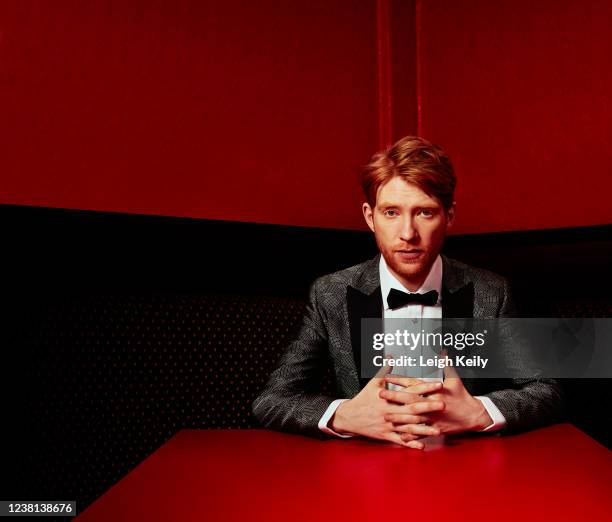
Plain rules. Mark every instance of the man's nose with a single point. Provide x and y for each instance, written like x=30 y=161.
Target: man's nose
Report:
x=408 y=232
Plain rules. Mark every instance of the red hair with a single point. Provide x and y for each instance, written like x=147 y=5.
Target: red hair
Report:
x=417 y=161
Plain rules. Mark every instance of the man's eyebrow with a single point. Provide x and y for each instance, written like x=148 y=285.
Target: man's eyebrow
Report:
x=427 y=206
x=387 y=205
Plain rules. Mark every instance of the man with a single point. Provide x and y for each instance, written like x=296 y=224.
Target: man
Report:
x=409 y=206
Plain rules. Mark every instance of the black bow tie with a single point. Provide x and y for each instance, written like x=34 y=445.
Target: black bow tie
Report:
x=397 y=298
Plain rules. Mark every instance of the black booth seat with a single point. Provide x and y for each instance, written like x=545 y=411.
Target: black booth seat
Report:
x=116 y=376
x=122 y=330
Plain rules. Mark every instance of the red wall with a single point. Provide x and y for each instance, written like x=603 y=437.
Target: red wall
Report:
x=263 y=111
x=520 y=93
x=254 y=111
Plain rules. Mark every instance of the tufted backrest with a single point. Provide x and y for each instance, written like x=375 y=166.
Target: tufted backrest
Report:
x=120 y=374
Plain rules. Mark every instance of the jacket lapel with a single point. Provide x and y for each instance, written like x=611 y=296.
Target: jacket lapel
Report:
x=457 y=300
x=457 y=291
x=363 y=300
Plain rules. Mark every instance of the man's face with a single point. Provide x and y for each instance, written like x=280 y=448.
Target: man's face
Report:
x=409 y=227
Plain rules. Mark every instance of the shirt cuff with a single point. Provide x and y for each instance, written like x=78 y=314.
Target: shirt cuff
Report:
x=499 y=421
x=329 y=412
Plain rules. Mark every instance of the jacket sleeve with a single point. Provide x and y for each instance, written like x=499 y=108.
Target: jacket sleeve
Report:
x=530 y=402
x=290 y=400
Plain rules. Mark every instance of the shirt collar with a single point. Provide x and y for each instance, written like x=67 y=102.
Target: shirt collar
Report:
x=433 y=281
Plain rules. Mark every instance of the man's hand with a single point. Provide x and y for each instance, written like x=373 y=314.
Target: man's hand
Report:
x=462 y=411
x=369 y=413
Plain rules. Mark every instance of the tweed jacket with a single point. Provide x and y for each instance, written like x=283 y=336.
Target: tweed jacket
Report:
x=330 y=335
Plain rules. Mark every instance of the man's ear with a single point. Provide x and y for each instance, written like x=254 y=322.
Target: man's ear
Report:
x=368 y=215
x=450 y=215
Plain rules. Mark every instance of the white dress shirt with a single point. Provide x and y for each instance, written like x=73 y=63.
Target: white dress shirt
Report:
x=433 y=281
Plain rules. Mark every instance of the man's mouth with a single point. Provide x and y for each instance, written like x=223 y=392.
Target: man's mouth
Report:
x=408 y=254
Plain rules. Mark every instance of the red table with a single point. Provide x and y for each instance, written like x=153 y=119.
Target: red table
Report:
x=556 y=473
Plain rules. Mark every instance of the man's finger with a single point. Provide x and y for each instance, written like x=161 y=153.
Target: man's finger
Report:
x=403 y=381
x=397 y=439
x=420 y=388
x=451 y=373
x=417 y=429
x=414 y=444
x=379 y=379
x=412 y=394
x=426 y=406
x=408 y=436
x=405 y=418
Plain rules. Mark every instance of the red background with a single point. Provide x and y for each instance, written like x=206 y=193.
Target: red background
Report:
x=519 y=94
x=264 y=111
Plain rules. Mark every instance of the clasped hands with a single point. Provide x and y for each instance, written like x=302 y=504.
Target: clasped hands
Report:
x=421 y=409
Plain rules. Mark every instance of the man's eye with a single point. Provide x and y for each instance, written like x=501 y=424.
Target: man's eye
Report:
x=427 y=213
x=390 y=213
